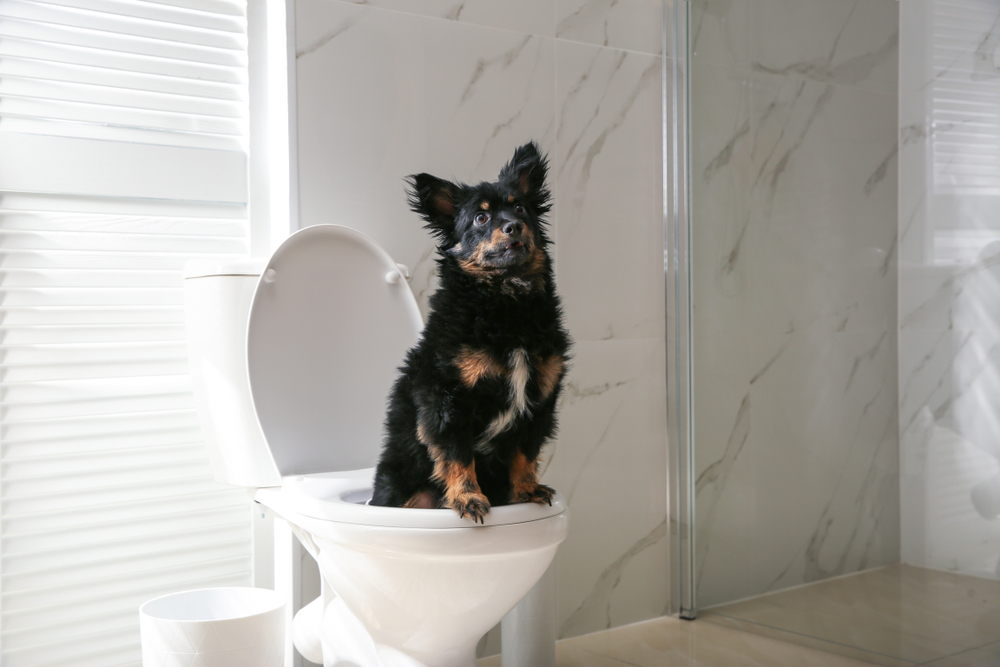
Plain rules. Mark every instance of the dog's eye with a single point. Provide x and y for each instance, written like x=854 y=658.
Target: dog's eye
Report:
x=519 y=209
x=481 y=218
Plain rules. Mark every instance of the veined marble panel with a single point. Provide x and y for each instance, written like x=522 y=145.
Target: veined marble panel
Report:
x=721 y=32
x=385 y=94
x=794 y=204
x=633 y=25
x=609 y=461
x=805 y=484
x=607 y=164
x=823 y=163
x=846 y=43
x=535 y=17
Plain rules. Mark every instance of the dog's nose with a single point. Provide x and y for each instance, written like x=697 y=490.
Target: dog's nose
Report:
x=512 y=228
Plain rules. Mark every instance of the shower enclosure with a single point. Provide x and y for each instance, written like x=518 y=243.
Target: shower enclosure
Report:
x=834 y=285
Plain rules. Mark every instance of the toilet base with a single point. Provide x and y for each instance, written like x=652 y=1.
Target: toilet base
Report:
x=346 y=642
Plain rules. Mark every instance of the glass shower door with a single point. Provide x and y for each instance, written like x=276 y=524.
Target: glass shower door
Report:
x=835 y=298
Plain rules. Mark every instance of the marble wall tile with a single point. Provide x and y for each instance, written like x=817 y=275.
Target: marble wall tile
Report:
x=721 y=32
x=534 y=17
x=384 y=94
x=805 y=485
x=609 y=460
x=824 y=184
x=633 y=25
x=847 y=43
x=722 y=180
x=607 y=167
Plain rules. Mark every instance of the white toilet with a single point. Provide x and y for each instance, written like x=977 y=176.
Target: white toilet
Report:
x=292 y=362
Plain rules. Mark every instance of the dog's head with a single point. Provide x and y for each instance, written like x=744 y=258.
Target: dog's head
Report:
x=492 y=230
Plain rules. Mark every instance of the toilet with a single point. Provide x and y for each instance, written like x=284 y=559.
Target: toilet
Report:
x=292 y=360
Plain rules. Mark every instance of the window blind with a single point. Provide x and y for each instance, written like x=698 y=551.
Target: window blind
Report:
x=966 y=98
x=122 y=156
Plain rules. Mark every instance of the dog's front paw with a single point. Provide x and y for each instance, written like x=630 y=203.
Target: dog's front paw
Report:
x=473 y=505
x=539 y=493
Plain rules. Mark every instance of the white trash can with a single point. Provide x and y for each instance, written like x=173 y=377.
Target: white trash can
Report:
x=214 y=627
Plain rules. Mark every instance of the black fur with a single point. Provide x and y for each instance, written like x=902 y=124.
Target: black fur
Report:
x=495 y=325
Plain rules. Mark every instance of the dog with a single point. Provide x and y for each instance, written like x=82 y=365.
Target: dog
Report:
x=475 y=400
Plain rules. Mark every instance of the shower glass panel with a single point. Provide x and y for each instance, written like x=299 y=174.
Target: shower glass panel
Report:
x=843 y=185
x=793 y=200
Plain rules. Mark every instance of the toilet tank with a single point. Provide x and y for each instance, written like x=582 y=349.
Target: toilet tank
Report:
x=217 y=298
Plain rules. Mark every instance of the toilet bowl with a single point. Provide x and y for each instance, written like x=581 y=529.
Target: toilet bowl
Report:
x=292 y=360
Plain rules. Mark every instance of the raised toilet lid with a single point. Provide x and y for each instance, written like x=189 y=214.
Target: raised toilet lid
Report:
x=326 y=334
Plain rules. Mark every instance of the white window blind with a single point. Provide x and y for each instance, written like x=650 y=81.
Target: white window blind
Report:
x=966 y=98
x=122 y=156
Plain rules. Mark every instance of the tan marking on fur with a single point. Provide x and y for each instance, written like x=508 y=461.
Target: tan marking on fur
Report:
x=523 y=477
x=534 y=266
x=523 y=184
x=470 y=267
x=530 y=274
x=460 y=482
x=473 y=265
x=485 y=205
x=474 y=365
x=536 y=262
x=422 y=435
x=549 y=372
x=443 y=203
x=421 y=500
x=510 y=198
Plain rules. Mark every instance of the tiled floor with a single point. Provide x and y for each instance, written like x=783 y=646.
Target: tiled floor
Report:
x=895 y=616
x=669 y=642
x=899 y=616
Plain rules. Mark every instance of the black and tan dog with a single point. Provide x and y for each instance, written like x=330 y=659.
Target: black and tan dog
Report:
x=475 y=400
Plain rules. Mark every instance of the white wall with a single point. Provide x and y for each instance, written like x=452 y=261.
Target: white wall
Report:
x=388 y=88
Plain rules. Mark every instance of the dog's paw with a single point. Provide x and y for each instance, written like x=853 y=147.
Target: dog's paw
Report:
x=539 y=493
x=473 y=505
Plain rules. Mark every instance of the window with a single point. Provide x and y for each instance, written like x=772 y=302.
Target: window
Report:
x=123 y=154
x=965 y=106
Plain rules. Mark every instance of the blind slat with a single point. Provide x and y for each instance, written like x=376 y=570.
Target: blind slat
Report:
x=105 y=168
x=136 y=65
x=204 y=17
x=51 y=521
x=117 y=42
x=57 y=500
x=94 y=18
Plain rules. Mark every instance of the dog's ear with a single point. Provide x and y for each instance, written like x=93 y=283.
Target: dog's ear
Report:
x=435 y=201
x=526 y=173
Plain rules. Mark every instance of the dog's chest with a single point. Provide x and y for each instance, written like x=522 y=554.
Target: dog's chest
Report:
x=519 y=379
x=517 y=374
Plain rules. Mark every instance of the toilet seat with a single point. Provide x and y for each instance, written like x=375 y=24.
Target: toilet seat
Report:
x=330 y=322
x=341 y=497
